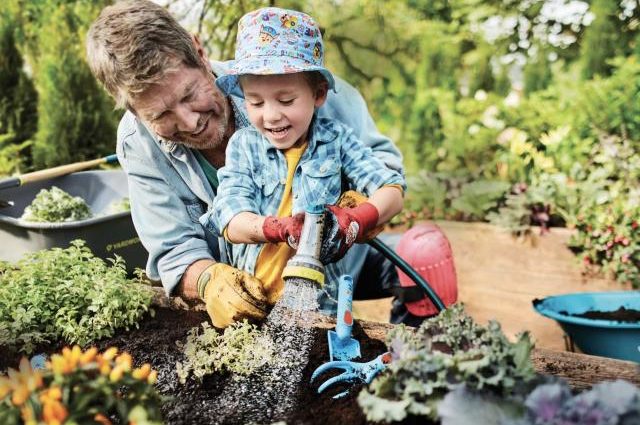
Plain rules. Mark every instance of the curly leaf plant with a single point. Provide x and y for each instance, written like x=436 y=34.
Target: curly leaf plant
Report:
x=79 y=387
x=444 y=353
x=241 y=349
x=67 y=294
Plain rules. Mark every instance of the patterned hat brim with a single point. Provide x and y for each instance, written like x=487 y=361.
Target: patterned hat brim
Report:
x=229 y=84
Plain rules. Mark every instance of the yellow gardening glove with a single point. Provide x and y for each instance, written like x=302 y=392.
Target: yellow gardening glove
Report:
x=351 y=199
x=231 y=295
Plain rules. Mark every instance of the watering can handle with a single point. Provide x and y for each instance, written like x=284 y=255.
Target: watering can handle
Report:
x=61 y=170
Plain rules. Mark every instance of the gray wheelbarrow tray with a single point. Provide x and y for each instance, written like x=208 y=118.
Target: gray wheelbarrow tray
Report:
x=106 y=233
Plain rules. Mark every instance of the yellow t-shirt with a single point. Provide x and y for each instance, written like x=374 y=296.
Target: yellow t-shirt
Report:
x=273 y=257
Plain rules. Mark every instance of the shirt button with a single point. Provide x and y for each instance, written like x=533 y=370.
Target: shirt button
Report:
x=283 y=181
x=323 y=169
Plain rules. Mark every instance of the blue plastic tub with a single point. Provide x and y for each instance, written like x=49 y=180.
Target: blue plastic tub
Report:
x=608 y=338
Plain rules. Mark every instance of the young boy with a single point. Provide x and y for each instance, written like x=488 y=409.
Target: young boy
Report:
x=290 y=159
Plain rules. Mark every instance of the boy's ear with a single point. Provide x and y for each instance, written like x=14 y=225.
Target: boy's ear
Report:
x=321 y=94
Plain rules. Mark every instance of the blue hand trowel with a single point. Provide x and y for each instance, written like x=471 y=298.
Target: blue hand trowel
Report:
x=341 y=345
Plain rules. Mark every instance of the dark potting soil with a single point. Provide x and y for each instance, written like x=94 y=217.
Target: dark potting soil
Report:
x=620 y=315
x=197 y=403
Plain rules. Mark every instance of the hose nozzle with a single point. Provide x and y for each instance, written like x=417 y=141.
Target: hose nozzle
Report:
x=306 y=263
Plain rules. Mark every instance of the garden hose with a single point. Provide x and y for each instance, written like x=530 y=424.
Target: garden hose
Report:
x=409 y=271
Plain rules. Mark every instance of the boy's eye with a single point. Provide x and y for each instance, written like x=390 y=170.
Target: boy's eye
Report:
x=255 y=103
x=287 y=101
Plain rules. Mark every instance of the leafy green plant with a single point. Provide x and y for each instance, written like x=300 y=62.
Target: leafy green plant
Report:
x=79 y=387
x=55 y=205
x=67 y=294
x=241 y=348
x=441 y=355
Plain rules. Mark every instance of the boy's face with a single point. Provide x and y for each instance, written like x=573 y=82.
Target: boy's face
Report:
x=281 y=106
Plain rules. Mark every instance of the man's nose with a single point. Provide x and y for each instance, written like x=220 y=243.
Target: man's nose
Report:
x=186 y=119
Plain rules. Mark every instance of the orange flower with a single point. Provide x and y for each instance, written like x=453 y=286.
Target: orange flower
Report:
x=142 y=373
x=102 y=419
x=54 y=413
x=116 y=373
x=110 y=353
x=88 y=356
x=153 y=377
x=125 y=361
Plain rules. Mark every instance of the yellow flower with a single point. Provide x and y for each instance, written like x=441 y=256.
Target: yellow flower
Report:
x=88 y=356
x=153 y=377
x=20 y=395
x=28 y=416
x=116 y=373
x=5 y=387
x=125 y=361
x=110 y=353
x=142 y=373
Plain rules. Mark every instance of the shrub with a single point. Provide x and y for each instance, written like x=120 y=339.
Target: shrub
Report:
x=67 y=294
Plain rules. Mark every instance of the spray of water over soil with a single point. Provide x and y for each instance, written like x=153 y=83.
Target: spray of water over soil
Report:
x=270 y=394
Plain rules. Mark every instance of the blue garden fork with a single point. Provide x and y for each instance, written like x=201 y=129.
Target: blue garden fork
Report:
x=343 y=348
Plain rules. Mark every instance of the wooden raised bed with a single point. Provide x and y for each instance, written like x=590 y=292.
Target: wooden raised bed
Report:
x=155 y=342
x=499 y=275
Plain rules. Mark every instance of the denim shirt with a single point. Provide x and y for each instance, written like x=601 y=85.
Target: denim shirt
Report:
x=169 y=191
x=254 y=176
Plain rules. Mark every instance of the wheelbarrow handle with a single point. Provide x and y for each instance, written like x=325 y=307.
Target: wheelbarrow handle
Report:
x=409 y=271
x=49 y=173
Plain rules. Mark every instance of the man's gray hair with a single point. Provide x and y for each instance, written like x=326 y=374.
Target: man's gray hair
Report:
x=134 y=44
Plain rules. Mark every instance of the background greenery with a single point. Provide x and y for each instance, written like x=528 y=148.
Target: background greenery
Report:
x=517 y=112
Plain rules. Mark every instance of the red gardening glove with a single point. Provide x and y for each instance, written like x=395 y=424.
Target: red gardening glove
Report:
x=352 y=225
x=283 y=229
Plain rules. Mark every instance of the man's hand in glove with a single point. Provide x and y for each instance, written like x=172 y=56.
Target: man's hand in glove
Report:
x=231 y=295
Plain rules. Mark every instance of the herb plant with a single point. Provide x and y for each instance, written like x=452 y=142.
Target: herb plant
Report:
x=55 y=205
x=79 y=387
x=444 y=353
x=242 y=348
x=67 y=294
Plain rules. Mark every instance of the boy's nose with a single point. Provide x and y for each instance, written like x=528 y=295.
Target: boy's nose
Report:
x=272 y=113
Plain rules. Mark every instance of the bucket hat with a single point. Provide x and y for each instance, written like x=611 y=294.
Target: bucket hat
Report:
x=275 y=41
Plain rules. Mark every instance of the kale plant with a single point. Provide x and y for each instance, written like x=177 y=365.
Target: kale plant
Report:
x=242 y=348
x=55 y=205
x=67 y=294
x=445 y=353
x=607 y=403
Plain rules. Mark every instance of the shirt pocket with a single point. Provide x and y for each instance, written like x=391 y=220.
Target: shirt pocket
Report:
x=321 y=182
x=266 y=179
x=195 y=209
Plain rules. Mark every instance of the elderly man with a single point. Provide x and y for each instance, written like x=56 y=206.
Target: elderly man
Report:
x=171 y=142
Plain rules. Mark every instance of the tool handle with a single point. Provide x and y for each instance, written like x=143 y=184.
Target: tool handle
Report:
x=61 y=170
x=409 y=271
x=345 y=307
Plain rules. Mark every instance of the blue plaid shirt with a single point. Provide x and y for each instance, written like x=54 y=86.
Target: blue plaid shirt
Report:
x=254 y=176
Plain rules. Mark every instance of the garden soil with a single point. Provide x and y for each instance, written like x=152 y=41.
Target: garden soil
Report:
x=194 y=403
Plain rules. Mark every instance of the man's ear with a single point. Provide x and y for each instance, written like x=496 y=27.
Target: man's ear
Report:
x=202 y=54
x=321 y=94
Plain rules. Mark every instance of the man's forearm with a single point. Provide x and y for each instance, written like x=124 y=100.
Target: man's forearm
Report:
x=188 y=286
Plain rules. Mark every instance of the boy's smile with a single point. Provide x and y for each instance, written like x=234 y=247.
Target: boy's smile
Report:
x=281 y=106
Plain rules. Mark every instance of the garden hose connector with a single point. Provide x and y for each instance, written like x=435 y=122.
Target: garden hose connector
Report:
x=306 y=263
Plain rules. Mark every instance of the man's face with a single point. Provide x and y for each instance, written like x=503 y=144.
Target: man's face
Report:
x=187 y=107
